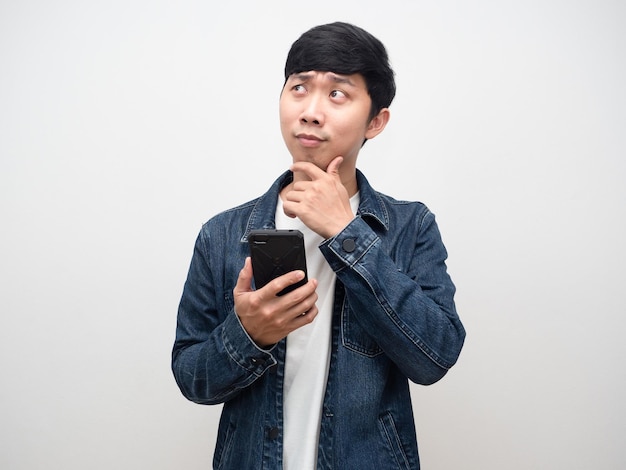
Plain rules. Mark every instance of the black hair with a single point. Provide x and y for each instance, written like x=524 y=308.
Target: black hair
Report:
x=345 y=49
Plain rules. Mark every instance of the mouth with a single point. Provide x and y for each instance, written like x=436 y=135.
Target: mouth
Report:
x=309 y=140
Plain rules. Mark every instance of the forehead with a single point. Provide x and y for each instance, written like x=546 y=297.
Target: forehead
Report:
x=355 y=80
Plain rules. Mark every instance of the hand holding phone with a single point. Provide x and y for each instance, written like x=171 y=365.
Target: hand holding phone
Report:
x=265 y=314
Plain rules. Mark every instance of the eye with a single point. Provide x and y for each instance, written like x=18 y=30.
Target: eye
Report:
x=299 y=89
x=337 y=95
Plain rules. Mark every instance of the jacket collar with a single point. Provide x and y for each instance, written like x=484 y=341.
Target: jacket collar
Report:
x=371 y=207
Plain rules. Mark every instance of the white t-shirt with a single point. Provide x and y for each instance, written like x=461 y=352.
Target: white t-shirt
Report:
x=308 y=355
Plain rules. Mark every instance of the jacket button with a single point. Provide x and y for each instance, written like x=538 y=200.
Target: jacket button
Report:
x=273 y=433
x=348 y=245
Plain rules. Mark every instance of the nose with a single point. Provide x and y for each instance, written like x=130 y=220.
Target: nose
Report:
x=313 y=112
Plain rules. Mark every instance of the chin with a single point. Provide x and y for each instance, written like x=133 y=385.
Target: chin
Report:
x=309 y=157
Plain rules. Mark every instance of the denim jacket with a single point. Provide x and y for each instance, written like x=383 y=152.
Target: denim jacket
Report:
x=394 y=320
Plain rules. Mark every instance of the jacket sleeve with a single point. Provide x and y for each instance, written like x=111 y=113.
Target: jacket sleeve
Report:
x=213 y=357
x=408 y=311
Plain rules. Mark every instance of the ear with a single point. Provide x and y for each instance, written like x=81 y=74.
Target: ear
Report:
x=377 y=124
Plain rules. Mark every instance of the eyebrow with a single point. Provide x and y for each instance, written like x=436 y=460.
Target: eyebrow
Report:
x=333 y=77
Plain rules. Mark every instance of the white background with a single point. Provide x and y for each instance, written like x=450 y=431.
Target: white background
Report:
x=126 y=124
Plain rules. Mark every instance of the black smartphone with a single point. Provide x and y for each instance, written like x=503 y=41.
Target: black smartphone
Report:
x=277 y=252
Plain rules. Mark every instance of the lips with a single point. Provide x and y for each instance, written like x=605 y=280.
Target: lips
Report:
x=309 y=140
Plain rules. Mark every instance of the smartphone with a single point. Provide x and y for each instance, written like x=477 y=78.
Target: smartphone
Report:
x=274 y=253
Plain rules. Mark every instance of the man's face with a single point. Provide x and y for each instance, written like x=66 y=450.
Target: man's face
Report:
x=324 y=115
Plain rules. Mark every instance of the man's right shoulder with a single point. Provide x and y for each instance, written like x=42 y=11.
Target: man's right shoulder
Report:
x=234 y=214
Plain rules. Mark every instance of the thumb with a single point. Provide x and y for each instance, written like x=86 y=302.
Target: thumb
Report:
x=333 y=166
x=244 y=281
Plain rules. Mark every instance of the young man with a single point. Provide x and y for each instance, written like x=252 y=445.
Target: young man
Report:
x=318 y=378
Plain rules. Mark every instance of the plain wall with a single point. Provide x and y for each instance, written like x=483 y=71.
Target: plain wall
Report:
x=124 y=125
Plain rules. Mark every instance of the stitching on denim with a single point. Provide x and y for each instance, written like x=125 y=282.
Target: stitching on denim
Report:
x=345 y=336
x=416 y=340
x=394 y=437
x=228 y=443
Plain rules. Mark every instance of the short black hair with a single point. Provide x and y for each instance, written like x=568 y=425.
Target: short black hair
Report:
x=345 y=49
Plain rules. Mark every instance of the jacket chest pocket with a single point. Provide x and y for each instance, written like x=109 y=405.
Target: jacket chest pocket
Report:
x=353 y=336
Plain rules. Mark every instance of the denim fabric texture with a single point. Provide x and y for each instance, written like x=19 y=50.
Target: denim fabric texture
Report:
x=394 y=320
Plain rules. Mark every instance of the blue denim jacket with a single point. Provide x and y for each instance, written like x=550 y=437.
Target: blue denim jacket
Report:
x=394 y=319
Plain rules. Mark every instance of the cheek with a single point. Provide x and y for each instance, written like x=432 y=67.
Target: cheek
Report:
x=352 y=131
x=283 y=120
x=287 y=118
x=286 y=108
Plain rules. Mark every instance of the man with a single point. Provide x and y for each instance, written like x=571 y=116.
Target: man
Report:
x=318 y=378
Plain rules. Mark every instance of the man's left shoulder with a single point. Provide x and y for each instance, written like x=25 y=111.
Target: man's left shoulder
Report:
x=403 y=206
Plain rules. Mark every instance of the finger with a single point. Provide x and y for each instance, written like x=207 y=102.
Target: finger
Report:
x=302 y=300
x=305 y=318
x=333 y=166
x=308 y=169
x=278 y=284
x=244 y=281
